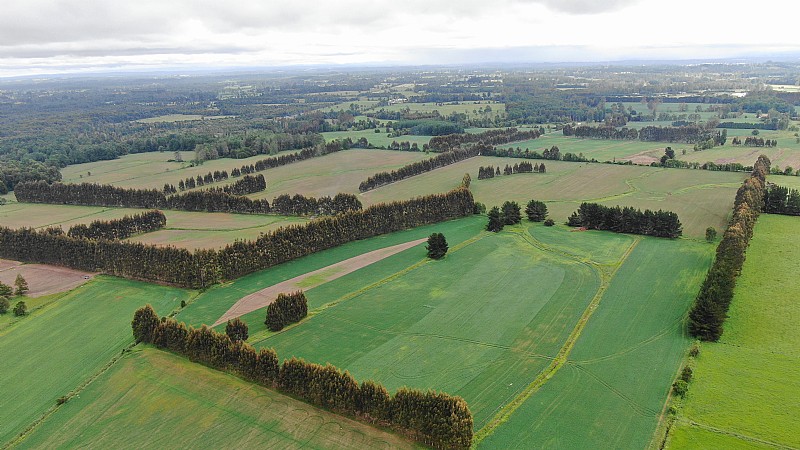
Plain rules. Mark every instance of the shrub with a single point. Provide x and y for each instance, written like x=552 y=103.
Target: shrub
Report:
x=20 y=309
x=437 y=246
x=549 y=223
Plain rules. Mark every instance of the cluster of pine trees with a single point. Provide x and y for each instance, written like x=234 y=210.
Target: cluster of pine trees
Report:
x=710 y=308
x=191 y=183
x=523 y=167
x=752 y=141
x=249 y=184
x=299 y=205
x=490 y=137
x=509 y=214
x=690 y=134
x=286 y=309
x=781 y=200
x=443 y=159
x=626 y=220
x=203 y=268
x=121 y=228
x=432 y=418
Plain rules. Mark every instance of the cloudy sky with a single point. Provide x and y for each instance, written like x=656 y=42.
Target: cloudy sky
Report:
x=51 y=36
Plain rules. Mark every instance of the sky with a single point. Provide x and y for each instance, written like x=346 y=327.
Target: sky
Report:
x=68 y=36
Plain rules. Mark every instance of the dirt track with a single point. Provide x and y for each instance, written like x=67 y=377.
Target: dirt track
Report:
x=42 y=279
x=264 y=297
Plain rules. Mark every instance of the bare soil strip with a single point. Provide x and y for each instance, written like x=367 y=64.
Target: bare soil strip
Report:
x=42 y=279
x=264 y=297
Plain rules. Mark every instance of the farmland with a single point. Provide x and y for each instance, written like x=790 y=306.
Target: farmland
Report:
x=63 y=344
x=760 y=333
x=186 y=405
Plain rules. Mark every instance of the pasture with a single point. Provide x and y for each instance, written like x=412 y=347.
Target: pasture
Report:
x=152 y=398
x=757 y=356
x=62 y=345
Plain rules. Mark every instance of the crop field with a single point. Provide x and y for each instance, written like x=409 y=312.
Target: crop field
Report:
x=700 y=198
x=42 y=279
x=153 y=399
x=60 y=346
x=756 y=358
x=612 y=389
x=184 y=229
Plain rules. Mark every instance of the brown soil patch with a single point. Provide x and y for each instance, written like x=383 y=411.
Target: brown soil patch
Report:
x=43 y=279
x=264 y=297
x=644 y=158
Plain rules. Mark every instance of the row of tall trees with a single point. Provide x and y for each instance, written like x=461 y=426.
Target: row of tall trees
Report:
x=286 y=309
x=432 y=418
x=752 y=141
x=191 y=182
x=553 y=153
x=307 y=153
x=443 y=159
x=602 y=132
x=523 y=167
x=249 y=184
x=781 y=200
x=626 y=220
x=710 y=308
x=203 y=268
x=299 y=205
x=120 y=228
x=490 y=137
x=689 y=134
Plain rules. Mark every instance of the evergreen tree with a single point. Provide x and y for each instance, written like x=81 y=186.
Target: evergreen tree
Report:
x=4 y=305
x=511 y=213
x=21 y=285
x=711 y=234
x=144 y=324
x=236 y=330
x=437 y=246
x=20 y=309
x=536 y=211
x=495 y=222
x=5 y=290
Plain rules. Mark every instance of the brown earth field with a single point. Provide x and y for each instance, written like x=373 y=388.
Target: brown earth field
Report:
x=42 y=279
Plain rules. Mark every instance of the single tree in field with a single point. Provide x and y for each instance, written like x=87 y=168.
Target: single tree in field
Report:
x=466 y=180
x=536 y=211
x=437 y=246
x=21 y=285
x=549 y=223
x=236 y=330
x=20 y=309
x=511 y=213
x=5 y=291
x=4 y=305
x=711 y=234
x=495 y=223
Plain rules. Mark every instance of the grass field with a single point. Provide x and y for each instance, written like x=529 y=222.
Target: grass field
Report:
x=153 y=399
x=700 y=198
x=53 y=351
x=611 y=391
x=747 y=385
x=377 y=139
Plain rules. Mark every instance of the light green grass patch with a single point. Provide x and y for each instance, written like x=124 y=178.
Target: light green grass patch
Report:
x=154 y=399
x=56 y=349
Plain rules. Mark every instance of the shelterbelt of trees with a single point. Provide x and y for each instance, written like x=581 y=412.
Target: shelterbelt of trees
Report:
x=690 y=134
x=203 y=268
x=710 y=308
x=432 y=418
x=490 y=137
x=781 y=200
x=209 y=200
x=121 y=228
x=443 y=159
x=626 y=220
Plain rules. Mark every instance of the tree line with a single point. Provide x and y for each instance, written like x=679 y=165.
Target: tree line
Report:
x=710 y=308
x=553 y=153
x=490 y=137
x=443 y=159
x=299 y=205
x=690 y=134
x=432 y=418
x=626 y=220
x=523 y=167
x=781 y=200
x=752 y=141
x=203 y=268
x=120 y=228
x=192 y=182
x=286 y=309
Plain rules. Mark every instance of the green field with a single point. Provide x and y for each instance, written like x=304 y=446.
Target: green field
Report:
x=700 y=198
x=377 y=139
x=153 y=399
x=747 y=385
x=612 y=389
x=56 y=349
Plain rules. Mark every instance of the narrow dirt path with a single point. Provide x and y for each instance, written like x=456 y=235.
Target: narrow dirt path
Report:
x=264 y=297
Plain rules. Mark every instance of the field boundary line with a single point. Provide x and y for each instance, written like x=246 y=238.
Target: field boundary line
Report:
x=266 y=334
x=561 y=357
